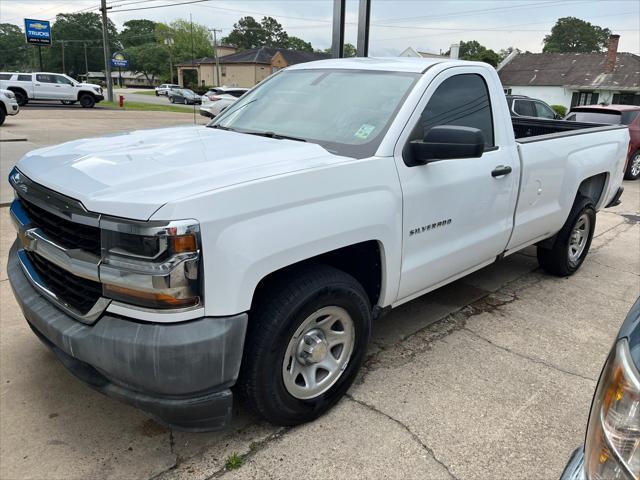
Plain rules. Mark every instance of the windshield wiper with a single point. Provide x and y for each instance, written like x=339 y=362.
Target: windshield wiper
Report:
x=220 y=127
x=277 y=136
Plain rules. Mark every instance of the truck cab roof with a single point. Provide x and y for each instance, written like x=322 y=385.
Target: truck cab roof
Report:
x=390 y=64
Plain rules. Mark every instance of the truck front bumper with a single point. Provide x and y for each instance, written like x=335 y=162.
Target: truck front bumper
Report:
x=179 y=372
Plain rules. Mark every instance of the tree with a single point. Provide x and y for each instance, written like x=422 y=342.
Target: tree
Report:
x=571 y=34
x=248 y=33
x=273 y=33
x=138 y=32
x=78 y=29
x=181 y=33
x=349 y=50
x=295 y=43
x=14 y=52
x=150 y=59
x=473 y=50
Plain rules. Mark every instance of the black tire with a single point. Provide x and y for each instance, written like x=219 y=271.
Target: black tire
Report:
x=185 y=101
x=157 y=94
x=171 y=100
x=2 y=116
x=557 y=260
x=87 y=100
x=21 y=98
x=634 y=164
x=274 y=319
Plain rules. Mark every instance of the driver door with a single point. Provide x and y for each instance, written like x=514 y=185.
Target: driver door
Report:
x=457 y=213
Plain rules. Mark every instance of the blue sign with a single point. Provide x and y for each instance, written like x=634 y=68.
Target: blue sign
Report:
x=37 y=32
x=119 y=60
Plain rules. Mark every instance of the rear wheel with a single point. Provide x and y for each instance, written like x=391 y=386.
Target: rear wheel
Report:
x=307 y=337
x=572 y=243
x=184 y=100
x=21 y=98
x=633 y=168
x=87 y=100
x=171 y=99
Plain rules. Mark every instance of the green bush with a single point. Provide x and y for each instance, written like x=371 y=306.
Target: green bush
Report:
x=560 y=110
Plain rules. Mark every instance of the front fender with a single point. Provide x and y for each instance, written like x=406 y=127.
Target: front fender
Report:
x=255 y=229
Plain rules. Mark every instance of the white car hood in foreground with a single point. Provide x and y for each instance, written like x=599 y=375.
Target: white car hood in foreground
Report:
x=131 y=175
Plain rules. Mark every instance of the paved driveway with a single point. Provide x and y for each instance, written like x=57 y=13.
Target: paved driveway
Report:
x=488 y=378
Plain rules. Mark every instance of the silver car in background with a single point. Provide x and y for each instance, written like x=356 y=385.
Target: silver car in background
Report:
x=219 y=98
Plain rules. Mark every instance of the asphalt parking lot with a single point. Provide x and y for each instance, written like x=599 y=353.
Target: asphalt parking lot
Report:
x=490 y=377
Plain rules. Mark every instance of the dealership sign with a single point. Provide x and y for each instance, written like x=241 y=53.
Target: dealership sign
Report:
x=119 y=60
x=37 y=32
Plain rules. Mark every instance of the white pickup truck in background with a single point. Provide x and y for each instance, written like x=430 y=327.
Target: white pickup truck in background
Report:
x=50 y=86
x=166 y=267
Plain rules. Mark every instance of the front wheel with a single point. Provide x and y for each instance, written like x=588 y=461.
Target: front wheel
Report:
x=572 y=243
x=2 y=116
x=307 y=337
x=633 y=168
x=87 y=101
x=21 y=98
x=185 y=101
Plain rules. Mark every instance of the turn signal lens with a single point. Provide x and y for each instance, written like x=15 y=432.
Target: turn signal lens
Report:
x=148 y=299
x=183 y=243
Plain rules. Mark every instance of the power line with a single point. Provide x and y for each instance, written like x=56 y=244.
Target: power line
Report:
x=160 y=6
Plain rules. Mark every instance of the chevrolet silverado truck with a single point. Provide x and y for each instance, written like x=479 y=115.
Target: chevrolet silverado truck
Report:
x=50 y=86
x=174 y=268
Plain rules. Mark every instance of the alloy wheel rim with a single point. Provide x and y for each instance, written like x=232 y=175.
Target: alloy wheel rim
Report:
x=578 y=238
x=318 y=352
x=635 y=165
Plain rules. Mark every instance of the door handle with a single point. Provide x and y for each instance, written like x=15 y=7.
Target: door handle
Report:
x=501 y=170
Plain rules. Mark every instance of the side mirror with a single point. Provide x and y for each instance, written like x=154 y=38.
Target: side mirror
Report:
x=447 y=142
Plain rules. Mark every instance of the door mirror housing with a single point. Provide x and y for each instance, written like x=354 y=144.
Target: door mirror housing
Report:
x=447 y=142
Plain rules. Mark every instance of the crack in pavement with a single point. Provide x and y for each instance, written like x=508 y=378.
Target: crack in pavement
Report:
x=527 y=357
x=618 y=233
x=414 y=435
x=614 y=268
x=254 y=448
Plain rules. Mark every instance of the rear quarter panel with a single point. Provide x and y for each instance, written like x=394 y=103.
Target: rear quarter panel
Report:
x=553 y=167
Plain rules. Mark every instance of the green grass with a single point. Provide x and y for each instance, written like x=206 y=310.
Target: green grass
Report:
x=233 y=462
x=149 y=107
x=145 y=92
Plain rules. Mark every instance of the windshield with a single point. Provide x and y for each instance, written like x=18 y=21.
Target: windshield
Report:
x=345 y=111
x=595 y=117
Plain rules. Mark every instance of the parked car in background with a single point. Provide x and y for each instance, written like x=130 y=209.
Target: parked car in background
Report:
x=523 y=106
x=50 y=86
x=616 y=115
x=165 y=88
x=611 y=449
x=217 y=99
x=8 y=104
x=184 y=95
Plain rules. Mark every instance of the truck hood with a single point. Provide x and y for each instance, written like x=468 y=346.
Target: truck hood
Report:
x=133 y=174
x=89 y=85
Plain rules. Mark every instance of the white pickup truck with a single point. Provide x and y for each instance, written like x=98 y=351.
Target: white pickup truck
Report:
x=50 y=86
x=169 y=268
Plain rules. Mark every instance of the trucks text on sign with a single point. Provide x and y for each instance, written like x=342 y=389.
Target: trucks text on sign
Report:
x=37 y=32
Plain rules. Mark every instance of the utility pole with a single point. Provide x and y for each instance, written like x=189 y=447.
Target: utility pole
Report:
x=86 y=61
x=64 y=70
x=364 y=21
x=107 y=54
x=168 y=41
x=337 y=35
x=215 y=55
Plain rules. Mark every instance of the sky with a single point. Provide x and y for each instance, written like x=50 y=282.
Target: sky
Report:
x=426 y=25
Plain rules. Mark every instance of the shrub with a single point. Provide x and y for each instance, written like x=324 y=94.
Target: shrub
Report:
x=560 y=109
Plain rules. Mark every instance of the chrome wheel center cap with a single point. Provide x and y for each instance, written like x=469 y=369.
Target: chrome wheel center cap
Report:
x=313 y=348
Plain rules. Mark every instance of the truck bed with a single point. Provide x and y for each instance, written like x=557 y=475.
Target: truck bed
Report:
x=524 y=127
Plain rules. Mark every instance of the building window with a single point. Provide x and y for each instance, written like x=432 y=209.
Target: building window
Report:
x=507 y=91
x=584 y=98
x=626 y=99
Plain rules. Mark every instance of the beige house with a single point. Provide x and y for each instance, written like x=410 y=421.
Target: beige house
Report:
x=246 y=68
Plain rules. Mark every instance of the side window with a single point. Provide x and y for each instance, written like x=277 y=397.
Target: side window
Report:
x=524 y=108
x=5 y=76
x=44 y=78
x=461 y=100
x=543 y=111
x=24 y=78
x=62 y=80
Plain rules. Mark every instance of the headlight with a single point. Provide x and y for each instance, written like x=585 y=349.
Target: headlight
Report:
x=151 y=265
x=10 y=94
x=612 y=447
